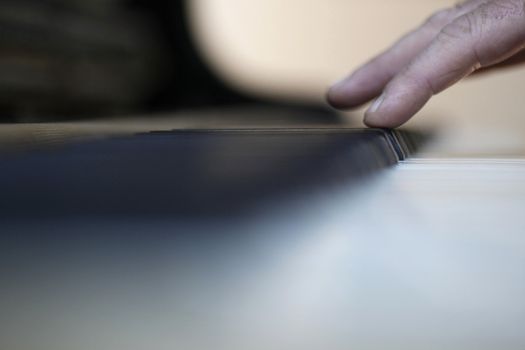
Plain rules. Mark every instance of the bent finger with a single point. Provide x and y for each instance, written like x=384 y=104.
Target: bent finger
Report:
x=490 y=34
x=369 y=80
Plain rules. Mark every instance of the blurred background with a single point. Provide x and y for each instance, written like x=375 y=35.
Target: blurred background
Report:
x=64 y=59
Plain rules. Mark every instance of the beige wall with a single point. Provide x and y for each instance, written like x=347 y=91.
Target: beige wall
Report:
x=296 y=48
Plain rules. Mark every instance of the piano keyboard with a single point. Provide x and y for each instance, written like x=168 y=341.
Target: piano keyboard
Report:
x=114 y=232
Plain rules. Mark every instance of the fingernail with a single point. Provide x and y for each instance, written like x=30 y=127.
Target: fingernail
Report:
x=377 y=104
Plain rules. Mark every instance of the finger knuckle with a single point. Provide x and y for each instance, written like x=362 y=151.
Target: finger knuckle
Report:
x=461 y=4
x=440 y=18
x=466 y=26
x=420 y=82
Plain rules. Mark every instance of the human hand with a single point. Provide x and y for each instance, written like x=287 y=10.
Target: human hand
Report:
x=452 y=44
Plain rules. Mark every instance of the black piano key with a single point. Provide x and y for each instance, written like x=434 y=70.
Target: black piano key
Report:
x=190 y=172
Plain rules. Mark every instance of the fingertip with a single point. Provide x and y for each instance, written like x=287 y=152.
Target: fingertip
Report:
x=338 y=94
x=333 y=99
x=378 y=121
x=381 y=114
x=349 y=93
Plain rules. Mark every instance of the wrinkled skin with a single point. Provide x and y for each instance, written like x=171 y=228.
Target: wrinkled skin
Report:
x=453 y=43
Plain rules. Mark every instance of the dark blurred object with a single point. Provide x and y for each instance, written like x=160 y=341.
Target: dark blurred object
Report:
x=82 y=58
x=191 y=173
x=188 y=82
x=77 y=57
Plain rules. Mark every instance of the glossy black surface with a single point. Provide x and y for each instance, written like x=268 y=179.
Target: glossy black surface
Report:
x=188 y=173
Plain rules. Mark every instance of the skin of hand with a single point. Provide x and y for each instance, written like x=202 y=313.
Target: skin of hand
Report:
x=452 y=44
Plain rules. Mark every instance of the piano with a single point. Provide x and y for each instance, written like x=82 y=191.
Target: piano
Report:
x=261 y=220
